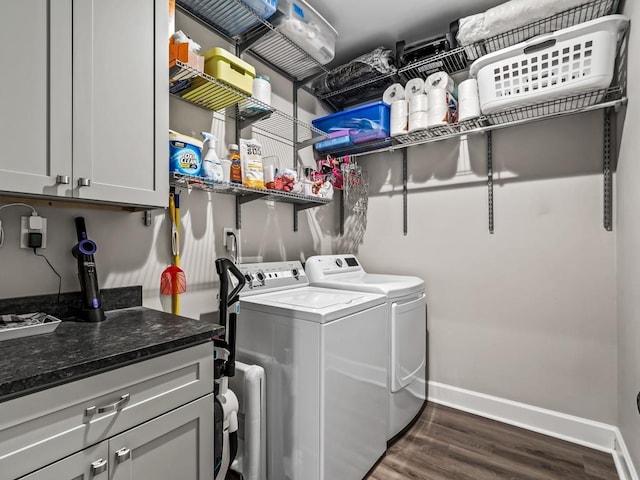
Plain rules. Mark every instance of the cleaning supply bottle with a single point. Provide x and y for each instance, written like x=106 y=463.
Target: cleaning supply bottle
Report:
x=211 y=165
x=236 y=165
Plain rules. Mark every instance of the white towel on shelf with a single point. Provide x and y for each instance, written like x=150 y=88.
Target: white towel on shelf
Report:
x=510 y=15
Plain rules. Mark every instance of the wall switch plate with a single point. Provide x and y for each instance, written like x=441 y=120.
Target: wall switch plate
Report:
x=24 y=232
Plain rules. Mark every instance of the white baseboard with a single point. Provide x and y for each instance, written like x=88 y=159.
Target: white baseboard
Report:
x=597 y=435
x=624 y=464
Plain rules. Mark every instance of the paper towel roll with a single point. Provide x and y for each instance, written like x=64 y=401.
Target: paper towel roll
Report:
x=393 y=93
x=419 y=103
x=414 y=87
x=418 y=121
x=442 y=108
x=468 y=88
x=468 y=100
x=399 y=108
x=439 y=80
x=399 y=117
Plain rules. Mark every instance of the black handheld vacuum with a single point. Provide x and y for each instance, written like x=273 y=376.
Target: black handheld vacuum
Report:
x=91 y=308
x=226 y=403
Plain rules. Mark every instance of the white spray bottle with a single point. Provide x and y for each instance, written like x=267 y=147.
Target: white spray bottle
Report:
x=211 y=165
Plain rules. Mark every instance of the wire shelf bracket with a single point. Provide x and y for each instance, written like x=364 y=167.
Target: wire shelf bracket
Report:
x=490 y=181
x=607 y=169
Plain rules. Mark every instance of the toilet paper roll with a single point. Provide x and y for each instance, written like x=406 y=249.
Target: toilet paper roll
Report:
x=418 y=121
x=468 y=100
x=393 y=93
x=414 y=87
x=439 y=80
x=442 y=109
x=399 y=108
x=419 y=103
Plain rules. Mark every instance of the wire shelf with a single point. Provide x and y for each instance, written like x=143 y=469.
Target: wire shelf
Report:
x=233 y=17
x=440 y=132
x=609 y=97
x=248 y=110
x=201 y=183
x=560 y=106
x=458 y=59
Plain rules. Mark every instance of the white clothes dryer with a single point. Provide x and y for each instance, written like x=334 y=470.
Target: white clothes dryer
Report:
x=324 y=355
x=406 y=323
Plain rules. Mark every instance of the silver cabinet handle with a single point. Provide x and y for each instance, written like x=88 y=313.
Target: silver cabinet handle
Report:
x=98 y=467
x=108 y=408
x=84 y=182
x=123 y=455
x=63 y=179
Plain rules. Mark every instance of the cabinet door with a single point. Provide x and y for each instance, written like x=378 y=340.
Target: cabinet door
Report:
x=121 y=101
x=177 y=445
x=35 y=96
x=89 y=464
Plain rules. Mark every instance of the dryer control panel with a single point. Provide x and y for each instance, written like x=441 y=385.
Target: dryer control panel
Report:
x=323 y=266
x=272 y=276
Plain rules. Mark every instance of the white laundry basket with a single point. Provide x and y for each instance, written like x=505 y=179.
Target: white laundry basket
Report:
x=576 y=60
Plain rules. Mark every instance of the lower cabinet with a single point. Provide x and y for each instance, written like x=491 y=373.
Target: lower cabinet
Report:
x=176 y=445
x=151 y=420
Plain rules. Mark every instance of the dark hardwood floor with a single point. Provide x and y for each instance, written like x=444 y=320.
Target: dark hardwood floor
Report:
x=447 y=444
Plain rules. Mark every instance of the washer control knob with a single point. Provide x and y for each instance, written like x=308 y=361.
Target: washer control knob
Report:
x=247 y=277
x=339 y=262
x=260 y=277
x=295 y=273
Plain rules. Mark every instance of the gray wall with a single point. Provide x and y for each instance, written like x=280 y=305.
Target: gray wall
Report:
x=527 y=314
x=628 y=198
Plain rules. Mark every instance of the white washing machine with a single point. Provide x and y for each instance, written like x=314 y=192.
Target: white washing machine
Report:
x=407 y=328
x=324 y=355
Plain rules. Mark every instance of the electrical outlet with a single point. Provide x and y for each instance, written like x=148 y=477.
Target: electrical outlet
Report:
x=225 y=237
x=24 y=232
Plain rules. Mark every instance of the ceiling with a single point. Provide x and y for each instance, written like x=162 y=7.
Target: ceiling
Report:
x=363 y=26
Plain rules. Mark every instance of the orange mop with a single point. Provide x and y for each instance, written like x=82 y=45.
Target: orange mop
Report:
x=173 y=280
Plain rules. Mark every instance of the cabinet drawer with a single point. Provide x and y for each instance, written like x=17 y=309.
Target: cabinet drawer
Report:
x=37 y=429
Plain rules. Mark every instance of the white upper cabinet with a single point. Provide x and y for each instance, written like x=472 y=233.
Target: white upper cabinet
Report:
x=85 y=114
x=120 y=101
x=35 y=97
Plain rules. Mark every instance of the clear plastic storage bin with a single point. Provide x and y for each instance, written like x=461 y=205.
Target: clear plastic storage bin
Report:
x=308 y=29
x=233 y=19
x=576 y=60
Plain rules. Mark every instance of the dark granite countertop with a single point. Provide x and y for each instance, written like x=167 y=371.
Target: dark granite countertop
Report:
x=76 y=349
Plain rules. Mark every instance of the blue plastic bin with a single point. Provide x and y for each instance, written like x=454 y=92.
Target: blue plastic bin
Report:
x=365 y=123
x=338 y=139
